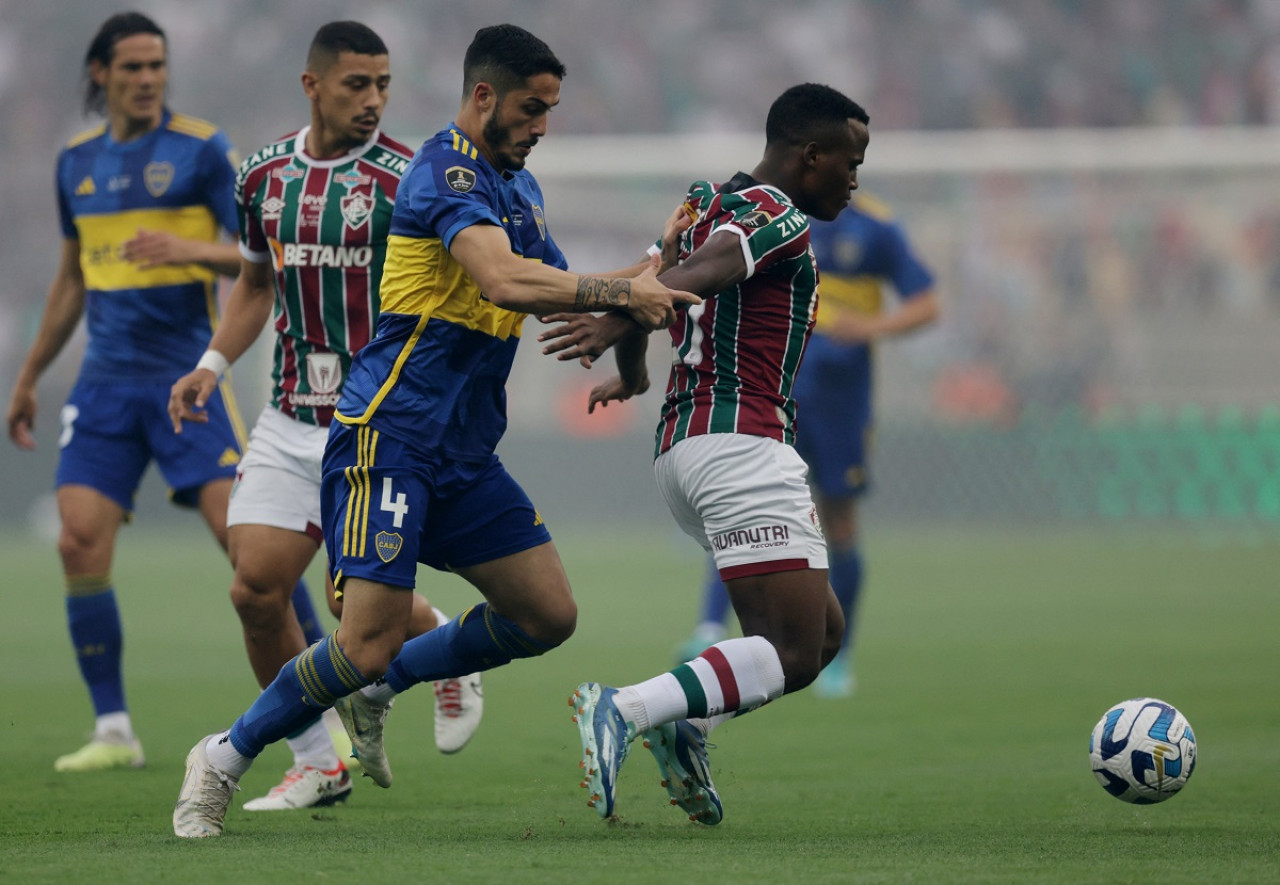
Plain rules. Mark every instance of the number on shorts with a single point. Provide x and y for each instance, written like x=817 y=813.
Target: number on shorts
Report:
x=398 y=505
x=68 y=418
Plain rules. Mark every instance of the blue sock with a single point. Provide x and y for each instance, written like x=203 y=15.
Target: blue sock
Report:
x=478 y=639
x=715 y=599
x=305 y=687
x=846 y=580
x=306 y=613
x=94 y=623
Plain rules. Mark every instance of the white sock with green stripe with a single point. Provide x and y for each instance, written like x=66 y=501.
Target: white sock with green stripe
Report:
x=735 y=675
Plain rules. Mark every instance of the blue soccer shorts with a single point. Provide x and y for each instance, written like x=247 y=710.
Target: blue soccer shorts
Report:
x=835 y=446
x=386 y=507
x=111 y=431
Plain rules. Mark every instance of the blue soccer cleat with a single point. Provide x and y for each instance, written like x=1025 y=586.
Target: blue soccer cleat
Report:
x=681 y=753
x=606 y=741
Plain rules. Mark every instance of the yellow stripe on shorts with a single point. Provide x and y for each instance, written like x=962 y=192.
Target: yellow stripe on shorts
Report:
x=355 y=528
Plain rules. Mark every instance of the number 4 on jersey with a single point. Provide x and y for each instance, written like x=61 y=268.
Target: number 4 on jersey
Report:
x=399 y=505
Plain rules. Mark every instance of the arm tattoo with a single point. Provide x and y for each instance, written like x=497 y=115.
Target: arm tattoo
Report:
x=599 y=293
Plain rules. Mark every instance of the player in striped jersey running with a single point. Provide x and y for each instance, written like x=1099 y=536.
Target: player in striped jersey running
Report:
x=315 y=209
x=411 y=474
x=725 y=460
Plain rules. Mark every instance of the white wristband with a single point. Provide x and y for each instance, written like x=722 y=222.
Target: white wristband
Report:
x=214 y=362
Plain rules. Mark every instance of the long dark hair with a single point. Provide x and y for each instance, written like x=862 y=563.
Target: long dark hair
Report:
x=103 y=47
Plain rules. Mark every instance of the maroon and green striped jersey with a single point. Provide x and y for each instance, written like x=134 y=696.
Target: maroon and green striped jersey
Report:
x=736 y=354
x=323 y=226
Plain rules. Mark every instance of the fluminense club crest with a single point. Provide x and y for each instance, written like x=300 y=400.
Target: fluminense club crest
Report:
x=356 y=208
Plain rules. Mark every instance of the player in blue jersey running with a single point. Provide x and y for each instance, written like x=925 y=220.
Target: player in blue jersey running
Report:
x=143 y=201
x=860 y=254
x=410 y=474
x=329 y=186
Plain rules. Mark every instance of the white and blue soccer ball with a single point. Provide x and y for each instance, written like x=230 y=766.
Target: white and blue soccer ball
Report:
x=1142 y=751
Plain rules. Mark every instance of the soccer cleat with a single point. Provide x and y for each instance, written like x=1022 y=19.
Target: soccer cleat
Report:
x=606 y=740
x=104 y=751
x=836 y=680
x=681 y=753
x=703 y=636
x=305 y=786
x=341 y=742
x=363 y=719
x=206 y=792
x=459 y=706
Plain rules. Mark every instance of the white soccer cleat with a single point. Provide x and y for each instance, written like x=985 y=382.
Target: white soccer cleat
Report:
x=363 y=719
x=459 y=706
x=305 y=786
x=206 y=792
x=103 y=752
x=341 y=740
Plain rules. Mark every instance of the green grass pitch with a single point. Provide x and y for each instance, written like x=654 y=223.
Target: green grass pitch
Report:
x=986 y=658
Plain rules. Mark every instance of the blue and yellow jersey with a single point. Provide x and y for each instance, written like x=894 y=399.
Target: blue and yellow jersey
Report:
x=146 y=324
x=858 y=254
x=435 y=373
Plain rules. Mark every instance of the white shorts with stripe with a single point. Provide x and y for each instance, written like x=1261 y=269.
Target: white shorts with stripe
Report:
x=745 y=499
x=278 y=480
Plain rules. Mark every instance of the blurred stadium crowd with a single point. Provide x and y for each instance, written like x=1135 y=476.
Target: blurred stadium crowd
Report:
x=1059 y=289
x=660 y=66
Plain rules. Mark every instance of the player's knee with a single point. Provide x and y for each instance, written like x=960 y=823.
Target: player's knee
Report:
x=553 y=624
x=370 y=658
x=81 y=551
x=257 y=599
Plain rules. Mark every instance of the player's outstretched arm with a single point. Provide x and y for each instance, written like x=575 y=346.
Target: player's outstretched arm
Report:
x=852 y=327
x=248 y=310
x=156 y=248
x=515 y=283
x=633 y=374
x=584 y=336
x=63 y=308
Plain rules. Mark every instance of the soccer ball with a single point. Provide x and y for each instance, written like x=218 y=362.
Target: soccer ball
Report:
x=1142 y=751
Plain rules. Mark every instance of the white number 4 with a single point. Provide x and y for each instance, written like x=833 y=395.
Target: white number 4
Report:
x=398 y=505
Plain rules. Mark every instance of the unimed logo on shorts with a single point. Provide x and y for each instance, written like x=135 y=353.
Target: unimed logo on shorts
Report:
x=753 y=539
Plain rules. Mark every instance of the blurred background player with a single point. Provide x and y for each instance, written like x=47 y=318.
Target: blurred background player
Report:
x=860 y=254
x=142 y=201
x=318 y=204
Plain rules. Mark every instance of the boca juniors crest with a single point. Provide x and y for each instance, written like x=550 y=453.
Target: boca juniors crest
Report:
x=388 y=545
x=157 y=177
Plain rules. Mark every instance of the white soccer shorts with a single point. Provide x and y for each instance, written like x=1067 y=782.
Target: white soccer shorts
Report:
x=278 y=480
x=746 y=500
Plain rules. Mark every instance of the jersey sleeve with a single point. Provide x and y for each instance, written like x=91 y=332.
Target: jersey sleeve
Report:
x=219 y=162
x=440 y=197
x=66 y=220
x=253 y=240
x=770 y=234
x=909 y=275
